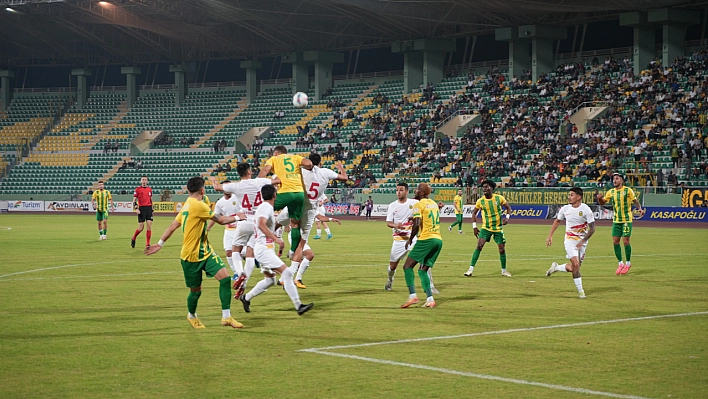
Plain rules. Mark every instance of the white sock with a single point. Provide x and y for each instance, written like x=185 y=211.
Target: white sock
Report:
x=327 y=230
x=628 y=263
x=260 y=288
x=293 y=267
x=430 y=299
x=578 y=283
x=192 y=315
x=471 y=269
x=391 y=273
x=561 y=268
x=303 y=267
x=411 y=296
x=290 y=288
x=319 y=231
x=225 y=313
x=430 y=276
x=250 y=265
x=231 y=264
x=237 y=262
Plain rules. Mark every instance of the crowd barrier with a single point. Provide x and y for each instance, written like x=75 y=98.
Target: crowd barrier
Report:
x=666 y=214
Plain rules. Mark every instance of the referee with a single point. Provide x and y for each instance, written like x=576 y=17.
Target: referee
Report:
x=142 y=204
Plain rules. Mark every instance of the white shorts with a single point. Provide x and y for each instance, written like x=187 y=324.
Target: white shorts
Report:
x=398 y=249
x=244 y=232
x=306 y=222
x=321 y=210
x=229 y=236
x=571 y=250
x=267 y=258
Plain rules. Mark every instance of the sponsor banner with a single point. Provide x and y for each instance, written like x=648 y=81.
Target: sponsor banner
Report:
x=547 y=196
x=68 y=206
x=343 y=209
x=694 y=197
x=599 y=212
x=448 y=211
x=668 y=214
x=164 y=207
x=445 y=194
x=25 y=206
x=122 y=207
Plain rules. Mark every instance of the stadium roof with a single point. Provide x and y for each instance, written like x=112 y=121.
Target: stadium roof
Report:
x=89 y=32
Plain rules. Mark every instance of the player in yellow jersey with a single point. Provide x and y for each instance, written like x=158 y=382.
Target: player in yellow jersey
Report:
x=101 y=199
x=457 y=203
x=426 y=221
x=622 y=199
x=490 y=205
x=197 y=255
x=291 y=193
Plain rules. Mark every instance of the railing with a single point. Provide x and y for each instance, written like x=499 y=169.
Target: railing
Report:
x=462 y=111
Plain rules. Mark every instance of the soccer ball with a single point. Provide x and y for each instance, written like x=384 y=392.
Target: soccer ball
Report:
x=300 y=100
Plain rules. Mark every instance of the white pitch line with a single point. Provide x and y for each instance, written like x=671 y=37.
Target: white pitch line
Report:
x=65 y=266
x=513 y=330
x=481 y=376
x=5 y=228
x=91 y=276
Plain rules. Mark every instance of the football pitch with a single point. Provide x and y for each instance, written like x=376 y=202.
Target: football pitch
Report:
x=84 y=318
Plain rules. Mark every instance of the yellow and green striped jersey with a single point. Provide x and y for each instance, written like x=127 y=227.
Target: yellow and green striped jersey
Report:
x=193 y=218
x=429 y=214
x=622 y=200
x=458 y=204
x=491 y=212
x=102 y=197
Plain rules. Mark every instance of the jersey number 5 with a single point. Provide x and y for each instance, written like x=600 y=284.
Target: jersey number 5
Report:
x=313 y=193
x=289 y=166
x=247 y=204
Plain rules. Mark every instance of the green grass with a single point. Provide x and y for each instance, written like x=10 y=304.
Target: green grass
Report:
x=104 y=321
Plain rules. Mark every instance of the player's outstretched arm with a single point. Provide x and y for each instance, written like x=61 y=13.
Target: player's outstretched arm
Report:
x=327 y=219
x=556 y=223
x=266 y=169
x=414 y=231
x=639 y=206
x=342 y=176
x=221 y=219
x=601 y=199
x=508 y=213
x=165 y=236
x=591 y=231
x=215 y=184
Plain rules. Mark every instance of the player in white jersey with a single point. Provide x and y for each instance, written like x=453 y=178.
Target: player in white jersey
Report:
x=579 y=227
x=399 y=218
x=264 y=250
x=228 y=206
x=307 y=253
x=248 y=195
x=321 y=211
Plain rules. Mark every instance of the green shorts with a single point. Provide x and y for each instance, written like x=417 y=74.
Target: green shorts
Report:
x=487 y=235
x=622 y=229
x=101 y=215
x=294 y=202
x=426 y=252
x=193 y=270
x=458 y=216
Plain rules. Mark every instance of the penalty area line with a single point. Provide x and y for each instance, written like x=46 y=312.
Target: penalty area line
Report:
x=481 y=376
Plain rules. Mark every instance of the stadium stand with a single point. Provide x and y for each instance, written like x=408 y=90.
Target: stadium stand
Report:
x=653 y=122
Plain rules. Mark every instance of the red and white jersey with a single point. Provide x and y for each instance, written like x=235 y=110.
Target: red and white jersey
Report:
x=401 y=213
x=248 y=194
x=577 y=221
x=316 y=181
x=227 y=207
x=264 y=211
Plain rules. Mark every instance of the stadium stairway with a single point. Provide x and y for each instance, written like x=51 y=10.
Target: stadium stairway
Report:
x=220 y=126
